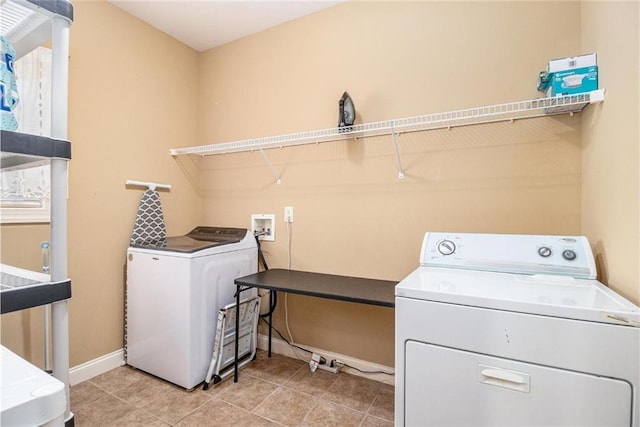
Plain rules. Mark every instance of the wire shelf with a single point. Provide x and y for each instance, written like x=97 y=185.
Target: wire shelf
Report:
x=472 y=116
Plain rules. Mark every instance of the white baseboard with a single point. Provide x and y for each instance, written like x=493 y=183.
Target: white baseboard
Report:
x=282 y=347
x=110 y=361
x=95 y=367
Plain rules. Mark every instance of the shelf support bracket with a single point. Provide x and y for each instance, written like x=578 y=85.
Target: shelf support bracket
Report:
x=273 y=170
x=394 y=135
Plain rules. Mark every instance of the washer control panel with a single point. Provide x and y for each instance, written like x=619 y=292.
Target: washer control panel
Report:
x=519 y=254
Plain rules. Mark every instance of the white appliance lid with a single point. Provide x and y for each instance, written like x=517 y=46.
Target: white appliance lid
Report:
x=29 y=396
x=557 y=296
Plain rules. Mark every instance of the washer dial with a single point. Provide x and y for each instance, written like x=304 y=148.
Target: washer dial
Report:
x=446 y=247
x=569 y=255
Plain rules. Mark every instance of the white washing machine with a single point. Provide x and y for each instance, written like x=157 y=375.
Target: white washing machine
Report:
x=512 y=330
x=174 y=292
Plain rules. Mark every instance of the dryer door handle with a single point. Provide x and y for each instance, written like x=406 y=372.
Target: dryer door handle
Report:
x=518 y=381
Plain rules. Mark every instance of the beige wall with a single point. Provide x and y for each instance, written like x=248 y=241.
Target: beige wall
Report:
x=353 y=215
x=22 y=331
x=611 y=137
x=132 y=97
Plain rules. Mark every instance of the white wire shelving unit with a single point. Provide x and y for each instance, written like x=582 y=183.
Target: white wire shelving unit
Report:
x=512 y=111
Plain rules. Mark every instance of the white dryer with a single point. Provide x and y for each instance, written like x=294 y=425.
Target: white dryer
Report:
x=513 y=330
x=174 y=292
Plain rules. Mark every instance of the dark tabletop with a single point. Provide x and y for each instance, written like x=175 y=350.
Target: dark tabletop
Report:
x=345 y=288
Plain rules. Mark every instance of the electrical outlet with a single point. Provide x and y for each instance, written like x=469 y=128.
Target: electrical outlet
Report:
x=288 y=214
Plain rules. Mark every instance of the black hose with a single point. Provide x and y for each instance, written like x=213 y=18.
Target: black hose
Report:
x=263 y=261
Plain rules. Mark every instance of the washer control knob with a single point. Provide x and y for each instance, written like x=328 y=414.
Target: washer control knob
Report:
x=446 y=247
x=544 y=251
x=569 y=255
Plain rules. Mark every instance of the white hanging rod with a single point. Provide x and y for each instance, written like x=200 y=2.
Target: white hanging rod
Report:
x=150 y=185
x=493 y=113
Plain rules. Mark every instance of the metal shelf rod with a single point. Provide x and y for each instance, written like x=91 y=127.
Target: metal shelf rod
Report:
x=273 y=169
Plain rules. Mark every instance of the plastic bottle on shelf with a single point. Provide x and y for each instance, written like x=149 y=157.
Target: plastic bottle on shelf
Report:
x=8 y=86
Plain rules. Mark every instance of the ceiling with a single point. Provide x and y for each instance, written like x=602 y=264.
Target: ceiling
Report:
x=204 y=24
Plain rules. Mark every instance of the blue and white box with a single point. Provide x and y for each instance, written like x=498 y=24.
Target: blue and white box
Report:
x=573 y=75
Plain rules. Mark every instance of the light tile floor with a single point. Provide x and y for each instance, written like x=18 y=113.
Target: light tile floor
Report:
x=270 y=392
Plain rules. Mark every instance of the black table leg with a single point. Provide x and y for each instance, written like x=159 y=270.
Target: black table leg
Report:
x=270 y=318
x=235 y=361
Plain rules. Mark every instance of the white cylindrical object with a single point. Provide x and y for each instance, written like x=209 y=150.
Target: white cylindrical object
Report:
x=58 y=241
x=59 y=77
x=59 y=184
x=60 y=347
x=47 y=338
x=59 y=178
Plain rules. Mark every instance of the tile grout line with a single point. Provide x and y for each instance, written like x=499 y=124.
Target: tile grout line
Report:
x=195 y=389
x=375 y=396
x=282 y=386
x=310 y=411
x=208 y=400
x=127 y=404
x=262 y=401
x=250 y=411
x=323 y=397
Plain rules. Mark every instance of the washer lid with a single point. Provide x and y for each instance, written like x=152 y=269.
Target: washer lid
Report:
x=557 y=296
x=198 y=239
